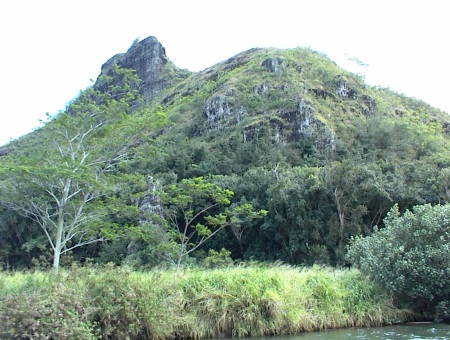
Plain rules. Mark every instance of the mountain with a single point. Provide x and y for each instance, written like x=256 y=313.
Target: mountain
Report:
x=287 y=130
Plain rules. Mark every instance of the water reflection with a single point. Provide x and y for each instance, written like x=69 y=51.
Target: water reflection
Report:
x=411 y=331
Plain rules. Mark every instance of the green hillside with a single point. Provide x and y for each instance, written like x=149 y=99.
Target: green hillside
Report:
x=287 y=131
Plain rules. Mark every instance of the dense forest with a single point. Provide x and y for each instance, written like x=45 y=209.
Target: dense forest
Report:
x=271 y=155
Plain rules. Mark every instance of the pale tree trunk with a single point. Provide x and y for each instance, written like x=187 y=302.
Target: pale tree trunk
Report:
x=341 y=215
x=60 y=225
x=180 y=259
x=58 y=243
x=56 y=257
x=178 y=268
x=239 y=233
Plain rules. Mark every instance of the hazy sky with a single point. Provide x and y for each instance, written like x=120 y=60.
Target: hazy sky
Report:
x=50 y=50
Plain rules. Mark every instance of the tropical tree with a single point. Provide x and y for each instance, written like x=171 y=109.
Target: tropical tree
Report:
x=67 y=182
x=196 y=210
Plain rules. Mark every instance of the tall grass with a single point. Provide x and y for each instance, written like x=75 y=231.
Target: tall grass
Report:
x=258 y=301
x=16 y=282
x=116 y=303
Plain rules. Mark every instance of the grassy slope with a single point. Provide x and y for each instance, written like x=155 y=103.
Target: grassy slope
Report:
x=266 y=99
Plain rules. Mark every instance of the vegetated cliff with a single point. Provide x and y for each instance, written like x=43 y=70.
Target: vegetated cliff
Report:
x=297 y=95
x=270 y=119
x=289 y=131
x=293 y=95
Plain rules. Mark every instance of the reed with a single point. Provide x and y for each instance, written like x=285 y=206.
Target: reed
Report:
x=16 y=282
x=258 y=301
x=253 y=300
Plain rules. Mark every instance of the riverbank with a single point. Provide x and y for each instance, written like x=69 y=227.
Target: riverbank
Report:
x=90 y=303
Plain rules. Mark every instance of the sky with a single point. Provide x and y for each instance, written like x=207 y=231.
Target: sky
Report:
x=53 y=49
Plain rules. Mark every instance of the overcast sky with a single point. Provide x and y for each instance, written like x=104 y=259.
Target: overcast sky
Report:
x=51 y=49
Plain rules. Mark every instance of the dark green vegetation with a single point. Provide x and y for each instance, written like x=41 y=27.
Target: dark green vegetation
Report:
x=281 y=133
x=90 y=303
x=410 y=257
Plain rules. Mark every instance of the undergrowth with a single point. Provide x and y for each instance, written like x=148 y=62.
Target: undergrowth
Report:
x=118 y=303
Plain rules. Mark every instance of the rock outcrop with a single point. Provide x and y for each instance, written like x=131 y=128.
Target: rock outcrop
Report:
x=218 y=111
x=148 y=58
x=343 y=90
x=151 y=203
x=274 y=65
x=279 y=65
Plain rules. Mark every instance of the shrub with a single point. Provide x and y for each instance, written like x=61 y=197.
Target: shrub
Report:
x=87 y=303
x=410 y=256
x=129 y=304
x=55 y=312
x=217 y=259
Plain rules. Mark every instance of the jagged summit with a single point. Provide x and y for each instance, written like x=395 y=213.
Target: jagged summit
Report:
x=148 y=58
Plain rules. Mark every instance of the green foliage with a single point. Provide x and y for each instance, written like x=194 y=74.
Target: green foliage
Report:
x=263 y=300
x=218 y=259
x=409 y=256
x=324 y=153
x=39 y=306
x=20 y=242
x=87 y=303
x=129 y=304
x=258 y=300
x=71 y=185
x=197 y=209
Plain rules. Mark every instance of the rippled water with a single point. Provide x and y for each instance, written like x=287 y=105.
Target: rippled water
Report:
x=410 y=331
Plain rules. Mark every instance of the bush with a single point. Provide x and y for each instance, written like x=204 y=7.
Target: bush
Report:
x=410 y=257
x=87 y=303
x=54 y=312
x=132 y=305
x=217 y=259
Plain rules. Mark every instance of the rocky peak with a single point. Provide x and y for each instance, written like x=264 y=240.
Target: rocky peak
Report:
x=148 y=58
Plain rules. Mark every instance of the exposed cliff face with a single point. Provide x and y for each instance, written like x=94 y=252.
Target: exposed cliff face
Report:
x=293 y=126
x=343 y=90
x=151 y=202
x=148 y=58
x=278 y=65
x=302 y=123
x=218 y=111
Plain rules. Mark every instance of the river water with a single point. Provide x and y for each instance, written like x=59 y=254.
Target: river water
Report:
x=410 y=331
